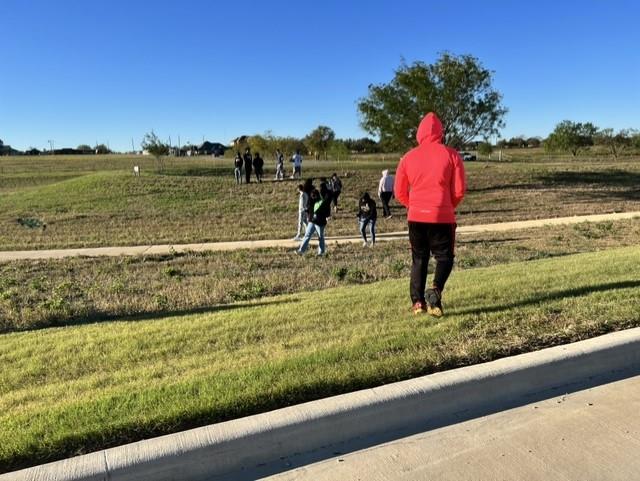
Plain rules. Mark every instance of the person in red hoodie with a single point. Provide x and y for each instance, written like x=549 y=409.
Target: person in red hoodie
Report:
x=430 y=183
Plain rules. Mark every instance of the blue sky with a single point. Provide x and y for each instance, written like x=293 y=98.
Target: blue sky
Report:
x=111 y=70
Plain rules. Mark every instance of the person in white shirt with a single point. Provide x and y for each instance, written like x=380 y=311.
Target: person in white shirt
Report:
x=297 y=165
x=302 y=212
x=385 y=192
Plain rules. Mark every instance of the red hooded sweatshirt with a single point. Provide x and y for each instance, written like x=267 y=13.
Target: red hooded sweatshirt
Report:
x=430 y=179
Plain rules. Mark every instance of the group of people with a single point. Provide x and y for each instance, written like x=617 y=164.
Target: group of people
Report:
x=314 y=209
x=430 y=182
x=254 y=163
x=249 y=163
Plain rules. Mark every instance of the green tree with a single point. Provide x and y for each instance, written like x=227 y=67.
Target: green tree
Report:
x=534 y=142
x=457 y=88
x=339 y=150
x=485 y=148
x=84 y=148
x=571 y=137
x=102 y=149
x=615 y=142
x=319 y=139
x=159 y=150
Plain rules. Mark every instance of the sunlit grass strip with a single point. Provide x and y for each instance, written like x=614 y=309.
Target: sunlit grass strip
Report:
x=70 y=390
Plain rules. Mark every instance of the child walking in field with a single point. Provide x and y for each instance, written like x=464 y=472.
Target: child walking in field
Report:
x=367 y=215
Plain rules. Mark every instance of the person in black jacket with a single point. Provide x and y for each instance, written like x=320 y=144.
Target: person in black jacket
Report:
x=367 y=214
x=258 y=164
x=320 y=209
x=237 y=163
x=248 y=162
x=336 y=189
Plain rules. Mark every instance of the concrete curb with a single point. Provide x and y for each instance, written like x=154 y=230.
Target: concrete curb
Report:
x=240 y=445
x=164 y=249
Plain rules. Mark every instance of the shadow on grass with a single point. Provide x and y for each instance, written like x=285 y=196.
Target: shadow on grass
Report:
x=492 y=241
x=97 y=316
x=553 y=296
x=606 y=184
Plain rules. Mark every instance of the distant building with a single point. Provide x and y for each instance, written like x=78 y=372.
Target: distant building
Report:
x=238 y=142
x=211 y=148
x=8 y=150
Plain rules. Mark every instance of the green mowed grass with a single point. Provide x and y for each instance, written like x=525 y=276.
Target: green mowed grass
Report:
x=70 y=390
x=197 y=200
x=58 y=292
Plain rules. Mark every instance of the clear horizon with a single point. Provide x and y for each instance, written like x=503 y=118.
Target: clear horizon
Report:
x=106 y=72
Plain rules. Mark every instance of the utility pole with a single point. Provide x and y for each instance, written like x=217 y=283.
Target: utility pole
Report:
x=133 y=149
x=50 y=145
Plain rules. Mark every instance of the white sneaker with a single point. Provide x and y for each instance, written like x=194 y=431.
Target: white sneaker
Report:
x=365 y=244
x=296 y=238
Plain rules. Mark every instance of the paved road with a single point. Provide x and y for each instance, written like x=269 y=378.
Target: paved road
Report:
x=236 y=245
x=588 y=435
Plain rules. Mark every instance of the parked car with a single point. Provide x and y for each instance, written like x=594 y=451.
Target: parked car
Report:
x=466 y=156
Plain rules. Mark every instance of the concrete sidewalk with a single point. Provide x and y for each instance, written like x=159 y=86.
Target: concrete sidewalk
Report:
x=588 y=435
x=6 y=256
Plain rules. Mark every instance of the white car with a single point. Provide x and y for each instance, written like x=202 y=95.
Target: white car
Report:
x=467 y=157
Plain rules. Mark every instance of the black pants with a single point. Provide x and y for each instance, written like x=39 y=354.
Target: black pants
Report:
x=247 y=175
x=334 y=197
x=385 y=197
x=427 y=239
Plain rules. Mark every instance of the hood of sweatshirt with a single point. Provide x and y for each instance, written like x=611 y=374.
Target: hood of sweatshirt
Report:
x=430 y=129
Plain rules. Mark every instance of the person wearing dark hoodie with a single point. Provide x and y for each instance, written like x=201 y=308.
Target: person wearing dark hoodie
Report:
x=430 y=183
x=248 y=162
x=258 y=165
x=367 y=215
x=336 y=189
x=237 y=163
x=320 y=210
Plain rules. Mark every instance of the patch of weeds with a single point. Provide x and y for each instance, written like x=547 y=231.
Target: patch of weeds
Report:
x=161 y=301
x=171 y=271
x=339 y=272
x=397 y=266
x=467 y=262
x=356 y=275
x=8 y=294
x=38 y=283
x=249 y=290
x=594 y=231
x=31 y=223
x=117 y=286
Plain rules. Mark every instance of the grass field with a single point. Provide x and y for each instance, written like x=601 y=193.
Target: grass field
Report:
x=70 y=390
x=97 y=202
x=36 y=294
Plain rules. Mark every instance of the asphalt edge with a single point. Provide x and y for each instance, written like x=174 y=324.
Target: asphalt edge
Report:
x=239 y=445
